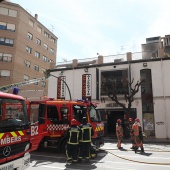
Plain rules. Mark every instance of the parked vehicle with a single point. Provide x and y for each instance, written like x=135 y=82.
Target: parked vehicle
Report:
x=51 y=118
x=14 y=132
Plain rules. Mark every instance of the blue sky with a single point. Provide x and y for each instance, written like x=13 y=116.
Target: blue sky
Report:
x=108 y=27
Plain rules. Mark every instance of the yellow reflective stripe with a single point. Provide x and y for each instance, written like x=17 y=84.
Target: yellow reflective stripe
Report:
x=99 y=128
x=13 y=134
x=21 y=133
x=1 y=135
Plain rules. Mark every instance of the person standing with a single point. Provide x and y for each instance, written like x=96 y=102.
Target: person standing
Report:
x=138 y=135
x=131 y=133
x=73 y=137
x=85 y=140
x=119 y=133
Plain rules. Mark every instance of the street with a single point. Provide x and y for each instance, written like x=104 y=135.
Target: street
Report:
x=156 y=157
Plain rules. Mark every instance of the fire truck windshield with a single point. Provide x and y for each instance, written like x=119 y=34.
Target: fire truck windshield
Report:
x=13 y=114
x=94 y=114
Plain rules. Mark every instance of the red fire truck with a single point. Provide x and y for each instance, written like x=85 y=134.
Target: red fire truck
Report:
x=14 y=133
x=51 y=118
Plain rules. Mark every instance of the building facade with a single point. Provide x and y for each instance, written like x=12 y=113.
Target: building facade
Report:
x=27 y=48
x=151 y=104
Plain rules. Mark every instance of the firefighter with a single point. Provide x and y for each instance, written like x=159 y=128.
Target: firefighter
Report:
x=85 y=140
x=119 y=133
x=138 y=135
x=73 y=137
x=131 y=133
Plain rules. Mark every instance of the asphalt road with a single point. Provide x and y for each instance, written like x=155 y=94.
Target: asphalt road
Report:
x=156 y=157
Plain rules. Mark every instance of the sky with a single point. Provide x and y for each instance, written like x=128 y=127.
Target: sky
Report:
x=86 y=28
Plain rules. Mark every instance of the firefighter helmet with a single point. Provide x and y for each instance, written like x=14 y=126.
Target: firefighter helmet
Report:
x=130 y=119
x=137 y=120
x=73 y=122
x=119 y=121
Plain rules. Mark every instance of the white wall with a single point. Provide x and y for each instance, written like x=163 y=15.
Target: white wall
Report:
x=160 y=84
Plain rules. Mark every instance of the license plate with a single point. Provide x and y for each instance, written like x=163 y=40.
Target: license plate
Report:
x=8 y=167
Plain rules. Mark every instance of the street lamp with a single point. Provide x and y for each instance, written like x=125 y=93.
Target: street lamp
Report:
x=47 y=75
x=64 y=83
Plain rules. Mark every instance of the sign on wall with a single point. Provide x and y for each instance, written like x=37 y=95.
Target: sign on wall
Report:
x=61 y=87
x=86 y=86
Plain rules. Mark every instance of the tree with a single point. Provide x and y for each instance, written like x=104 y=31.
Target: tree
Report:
x=124 y=88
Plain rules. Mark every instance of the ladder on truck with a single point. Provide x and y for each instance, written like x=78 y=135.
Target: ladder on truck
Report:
x=27 y=82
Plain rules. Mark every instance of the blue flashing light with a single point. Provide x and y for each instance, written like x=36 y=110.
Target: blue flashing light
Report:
x=15 y=90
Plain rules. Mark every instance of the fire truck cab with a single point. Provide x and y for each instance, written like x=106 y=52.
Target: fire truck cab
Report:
x=51 y=118
x=14 y=132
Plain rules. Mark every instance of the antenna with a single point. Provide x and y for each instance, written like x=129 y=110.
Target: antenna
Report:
x=52 y=28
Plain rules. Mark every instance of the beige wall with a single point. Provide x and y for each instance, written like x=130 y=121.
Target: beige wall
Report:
x=17 y=66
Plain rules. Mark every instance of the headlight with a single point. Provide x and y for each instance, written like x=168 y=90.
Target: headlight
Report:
x=27 y=146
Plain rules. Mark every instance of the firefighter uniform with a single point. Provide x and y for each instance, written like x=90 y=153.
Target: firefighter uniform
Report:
x=85 y=140
x=138 y=135
x=72 y=147
x=119 y=133
x=131 y=133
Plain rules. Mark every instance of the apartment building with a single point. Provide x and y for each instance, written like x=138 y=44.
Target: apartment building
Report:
x=27 y=48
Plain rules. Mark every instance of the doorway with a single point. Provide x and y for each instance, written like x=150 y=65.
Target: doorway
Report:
x=112 y=120
x=113 y=115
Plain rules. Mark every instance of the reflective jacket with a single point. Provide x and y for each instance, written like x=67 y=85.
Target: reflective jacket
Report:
x=73 y=135
x=86 y=132
x=119 y=130
x=135 y=129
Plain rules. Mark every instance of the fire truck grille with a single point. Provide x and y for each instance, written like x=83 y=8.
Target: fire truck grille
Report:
x=10 y=150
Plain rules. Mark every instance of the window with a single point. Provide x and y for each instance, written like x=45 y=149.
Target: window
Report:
x=2 y=41
x=5 y=73
x=50 y=61
x=31 y=23
x=37 y=54
x=43 y=84
x=27 y=63
x=116 y=77
x=38 y=41
x=52 y=39
x=45 y=47
x=9 y=12
x=64 y=114
x=36 y=83
x=10 y=27
x=36 y=68
x=39 y=29
x=26 y=78
x=30 y=36
x=3 y=26
x=9 y=42
x=6 y=57
x=3 y=11
x=46 y=34
x=44 y=58
x=52 y=51
x=28 y=49
x=7 y=26
x=6 y=41
x=52 y=113
x=12 y=13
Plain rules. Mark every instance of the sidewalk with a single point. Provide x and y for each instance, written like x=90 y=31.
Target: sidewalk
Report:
x=146 y=140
